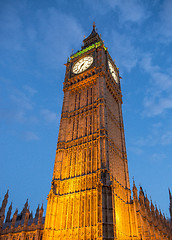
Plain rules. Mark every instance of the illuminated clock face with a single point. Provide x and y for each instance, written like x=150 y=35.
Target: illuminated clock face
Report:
x=82 y=64
x=113 y=72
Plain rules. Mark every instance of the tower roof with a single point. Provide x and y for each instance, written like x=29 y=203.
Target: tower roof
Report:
x=92 y=38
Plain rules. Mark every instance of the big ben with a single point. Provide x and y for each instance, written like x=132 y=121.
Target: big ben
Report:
x=90 y=196
x=90 y=188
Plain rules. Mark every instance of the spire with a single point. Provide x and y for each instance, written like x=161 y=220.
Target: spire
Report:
x=92 y=38
x=40 y=214
x=152 y=208
x=24 y=209
x=2 y=210
x=4 y=203
x=94 y=26
x=135 y=195
x=37 y=212
x=31 y=215
x=156 y=211
x=141 y=196
x=170 y=207
x=147 y=204
x=8 y=213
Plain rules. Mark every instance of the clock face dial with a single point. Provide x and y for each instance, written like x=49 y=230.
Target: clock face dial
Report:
x=82 y=64
x=113 y=72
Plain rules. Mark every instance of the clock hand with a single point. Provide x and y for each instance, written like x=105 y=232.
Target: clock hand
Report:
x=81 y=65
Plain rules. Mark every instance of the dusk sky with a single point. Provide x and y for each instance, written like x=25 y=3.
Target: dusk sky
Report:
x=36 y=38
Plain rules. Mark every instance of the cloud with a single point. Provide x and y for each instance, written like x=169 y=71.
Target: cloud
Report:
x=158 y=98
x=160 y=29
x=136 y=150
x=166 y=19
x=21 y=99
x=16 y=103
x=159 y=135
x=49 y=116
x=29 y=136
x=166 y=138
x=126 y=53
x=11 y=26
x=129 y=11
x=158 y=157
x=54 y=29
x=46 y=35
x=31 y=91
x=155 y=104
x=146 y=63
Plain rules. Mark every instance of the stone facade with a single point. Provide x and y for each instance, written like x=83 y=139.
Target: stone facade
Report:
x=90 y=196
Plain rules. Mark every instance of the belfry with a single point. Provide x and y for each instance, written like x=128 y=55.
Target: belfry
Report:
x=90 y=196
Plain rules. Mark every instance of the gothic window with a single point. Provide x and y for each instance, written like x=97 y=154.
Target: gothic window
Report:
x=86 y=125
x=87 y=97
x=84 y=161
x=95 y=121
x=70 y=213
x=89 y=160
x=79 y=100
x=77 y=127
x=90 y=122
x=73 y=128
x=75 y=100
x=65 y=205
x=74 y=164
x=82 y=213
x=94 y=158
x=91 y=95
x=88 y=210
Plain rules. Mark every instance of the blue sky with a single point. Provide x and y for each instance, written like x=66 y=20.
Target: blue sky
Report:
x=36 y=38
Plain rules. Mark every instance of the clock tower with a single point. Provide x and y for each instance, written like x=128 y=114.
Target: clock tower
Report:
x=90 y=191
